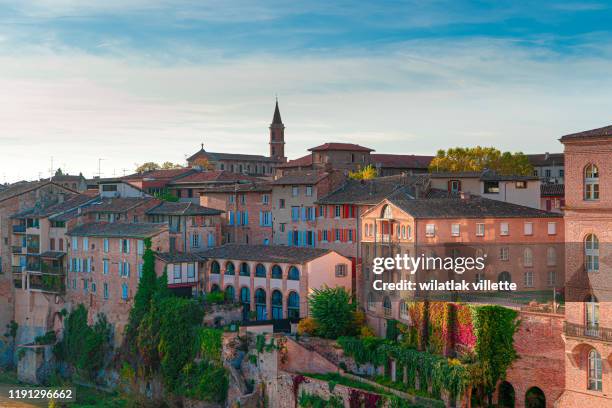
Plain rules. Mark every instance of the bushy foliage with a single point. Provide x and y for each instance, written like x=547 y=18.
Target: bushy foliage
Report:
x=366 y=173
x=204 y=381
x=146 y=289
x=480 y=158
x=307 y=325
x=314 y=401
x=333 y=311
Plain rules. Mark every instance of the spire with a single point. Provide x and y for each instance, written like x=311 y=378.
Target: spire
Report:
x=276 y=120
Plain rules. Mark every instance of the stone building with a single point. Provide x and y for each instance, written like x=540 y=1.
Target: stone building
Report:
x=588 y=233
x=256 y=165
x=549 y=167
x=247 y=208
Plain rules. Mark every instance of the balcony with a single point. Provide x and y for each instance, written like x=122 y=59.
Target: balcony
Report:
x=588 y=332
x=53 y=283
x=15 y=249
x=19 y=229
x=33 y=249
x=17 y=269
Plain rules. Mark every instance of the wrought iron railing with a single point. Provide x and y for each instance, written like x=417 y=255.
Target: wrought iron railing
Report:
x=19 y=228
x=588 y=331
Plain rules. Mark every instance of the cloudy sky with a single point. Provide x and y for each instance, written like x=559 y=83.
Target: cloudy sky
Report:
x=130 y=81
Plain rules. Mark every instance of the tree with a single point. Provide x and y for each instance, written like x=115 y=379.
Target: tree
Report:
x=203 y=163
x=148 y=166
x=166 y=196
x=144 y=294
x=59 y=172
x=169 y=166
x=480 y=158
x=366 y=173
x=333 y=310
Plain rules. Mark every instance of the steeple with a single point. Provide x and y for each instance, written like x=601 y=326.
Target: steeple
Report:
x=277 y=136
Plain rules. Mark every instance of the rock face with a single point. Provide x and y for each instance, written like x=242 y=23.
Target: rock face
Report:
x=35 y=364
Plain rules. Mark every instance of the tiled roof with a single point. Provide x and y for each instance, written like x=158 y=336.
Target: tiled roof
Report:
x=70 y=203
x=368 y=192
x=485 y=175
x=239 y=187
x=341 y=146
x=303 y=161
x=117 y=205
x=216 y=176
x=180 y=208
x=457 y=174
x=408 y=161
x=118 y=230
x=168 y=174
x=231 y=156
x=264 y=253
x=301 y=177
x=550 y=190
x=473 y=207
x=546 y=159
x=177 y=257
x=605 y=131
x=23 y=187
x=67 y=177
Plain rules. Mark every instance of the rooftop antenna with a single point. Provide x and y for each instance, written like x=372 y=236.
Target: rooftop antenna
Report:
x=124 y=171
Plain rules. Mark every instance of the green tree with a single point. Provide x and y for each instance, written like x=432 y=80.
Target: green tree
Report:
x=144 y=294
x=148 y=166
x=166 y=196
x=333 y=310
x=480 y=158
x=169 y=166
x=366 y=173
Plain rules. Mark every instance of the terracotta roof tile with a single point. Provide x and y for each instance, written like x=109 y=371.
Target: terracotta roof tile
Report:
x=118 y=230
x=341 y=146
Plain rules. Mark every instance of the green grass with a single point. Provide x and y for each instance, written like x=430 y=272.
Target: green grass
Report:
x=348 y=382
x=8 y=377
x=91 y=398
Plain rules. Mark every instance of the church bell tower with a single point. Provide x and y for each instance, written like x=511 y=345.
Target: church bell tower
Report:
x=277 y=137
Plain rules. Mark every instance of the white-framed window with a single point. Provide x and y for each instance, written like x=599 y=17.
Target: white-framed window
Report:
x=337 y=211
x=140 y=247
x=403 y=232
x=85 y=244
x=480 y=230
x=528 y=279
x=105 y=266
x=551 y=256
x=504 y=253
x=125 y=246
x=504 y=229
x=409 y=231
x=528 y=257
x=341 y=270
x=177 y=271
x=387 y=308
x=324 y=236
x=75 y=243
x=521 y=184
x=455 y=230
x=295 y=191
x=528 y=228
x=105 y=245
x=403 y=309
x=430 y=230
x=595 y=371
x=552 y=228
x=337 y=237
x=265 y=198
x=195 y=240
x=190 y=271
x=309 y=191
x=551 y=278
x=591 y=182
x=591 y=253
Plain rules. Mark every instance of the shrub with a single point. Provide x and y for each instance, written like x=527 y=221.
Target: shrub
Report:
x=307 y=326
x=366 y=331
x=333 y=311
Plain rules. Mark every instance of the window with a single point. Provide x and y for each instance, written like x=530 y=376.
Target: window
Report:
x=215 y=267
x=109 y=187
x=309 y=191
x=520 y=184
x=403 y=307
x=177 y=272
x=295 y=191
x=75 y=244
x=277 y=272
x=260 y=271
x=491 y=187
x=105 y=266
x=230 y=269
x=371 y=302
x=125 y=246
x=430 y=230
x=265 y=198
x=105 y=244
x=245 y=269
x=552 y=228
x=94 y=287
x=528 y=279
x=195 y=240
x=387 y=213
x=140 y=266
x=591 y=253
x=591 y=314
x=547 y=173
x=403 y=232
x=551 y=256
x=325 y=236
x=504 y=254
x=480 y=230
x=295 y=213
x=293 y=306
x=140 y=247
x=455 y=230
x=528 y=228
x=337 y=211
x=85 y=244
x=504 y=228
x=337 y=238
x=595 y=371
x=190 y=271
x=591 y=182
x=387 y=306
x=124 y=269
x=281 y=203
x=455 y=186
x=294 y=273
x=124 y=291
x=340 y=270
x=551 y=278
x=243 y=199
x=105 y=286
x=528 y=257
x=85 y=285
x=232 y=198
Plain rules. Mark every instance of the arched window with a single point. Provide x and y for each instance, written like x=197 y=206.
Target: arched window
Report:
x=371 y=302
x=215 y=267
x=260 y=271
x=260 y=304
x=277 y=272
x=504 y=277
x=591 y=253
x=386 y=212
x=528 y=257
x=387 y=306
x=245 y=299
x=535 y=398
x=551 y=256
x=591 y=182
x=294 y=273
x=293 y=306
x=409 y=231
x=245 y=269
x=591 y=315
x=214 y=288
x=230 y=293
x=403 y=231
x=594 y=374
x=230 y=269
x=277 y=305
x=404 y=310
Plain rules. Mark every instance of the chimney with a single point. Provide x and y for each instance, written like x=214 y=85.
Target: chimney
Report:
x=546 y=155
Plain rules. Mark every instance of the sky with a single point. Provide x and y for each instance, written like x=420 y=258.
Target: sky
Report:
x=115 y=83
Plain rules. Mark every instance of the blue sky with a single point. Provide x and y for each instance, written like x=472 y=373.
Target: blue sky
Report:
x=133 y=81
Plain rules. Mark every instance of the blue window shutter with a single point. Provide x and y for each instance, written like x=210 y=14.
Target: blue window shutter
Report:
x=289 y=238
x=300 y=240
x=303 y=213
x=238 y=217
x=261 y=218
x=246 y=217
x=231 y=218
